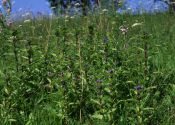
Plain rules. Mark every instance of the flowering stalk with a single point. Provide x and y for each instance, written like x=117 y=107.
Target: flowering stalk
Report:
x=138 y=109
x=146 y=58
x=15 y=50
x=82 y=73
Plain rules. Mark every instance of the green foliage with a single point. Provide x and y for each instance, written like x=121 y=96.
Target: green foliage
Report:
x=100 y=69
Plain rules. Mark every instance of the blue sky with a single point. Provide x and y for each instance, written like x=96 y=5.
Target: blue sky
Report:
x=30 y=5
x=21 y=6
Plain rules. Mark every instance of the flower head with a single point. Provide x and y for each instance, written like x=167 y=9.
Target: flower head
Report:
x=110 y=71
x=4 y=2
x=106 y=39
x=138 y=87
x=99 y=81
x=136 y=24
x=27 y=21
x=77 y=4
x=104 y=10
x=123 y=29
x=9 y=23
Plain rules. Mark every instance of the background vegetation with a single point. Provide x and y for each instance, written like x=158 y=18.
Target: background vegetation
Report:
x=96 y=70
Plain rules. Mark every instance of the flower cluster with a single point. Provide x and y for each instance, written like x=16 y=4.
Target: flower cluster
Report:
x=123 y=29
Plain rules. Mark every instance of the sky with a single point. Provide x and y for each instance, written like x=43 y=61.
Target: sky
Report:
x=42 y=6
x=35 y=6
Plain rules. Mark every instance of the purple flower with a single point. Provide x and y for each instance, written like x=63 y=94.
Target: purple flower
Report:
x=99 y=81
x=138 y=88
x=106 y=39
x=110 y=71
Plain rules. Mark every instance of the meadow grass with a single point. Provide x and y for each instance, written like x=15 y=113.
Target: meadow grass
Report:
x=94 y=70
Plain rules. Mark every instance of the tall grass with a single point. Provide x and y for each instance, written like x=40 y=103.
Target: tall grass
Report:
x=87 y=70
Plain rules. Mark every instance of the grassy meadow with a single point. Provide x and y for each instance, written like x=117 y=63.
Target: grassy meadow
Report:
x=102 y=69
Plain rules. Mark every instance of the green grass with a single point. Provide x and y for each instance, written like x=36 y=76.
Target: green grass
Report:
x=83 y=70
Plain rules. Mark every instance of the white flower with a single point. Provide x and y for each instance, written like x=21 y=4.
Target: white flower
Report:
x=136 y=24
x=66 y=16
x=27 y=21
x=72 y=17
x=20 y=26
x=77 y=4
x=123 y=29
x=53 y=7
x=104 y=10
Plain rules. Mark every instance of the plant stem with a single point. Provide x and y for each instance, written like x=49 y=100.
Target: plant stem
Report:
x=15 y=53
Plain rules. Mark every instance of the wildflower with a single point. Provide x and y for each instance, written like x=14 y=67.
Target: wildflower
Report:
x=99 y=81
x=138 y=88
x=4 y=2
x=53 y=8
x=123 y=29
x=136 y=24
x=77 y=4
x=66 y=16
x=105 y=40
x=110 y=71
x=72 y=17
x=9 y=23
x=27 y=21
x=104 y=10
x=20 y=26
x=129 y=8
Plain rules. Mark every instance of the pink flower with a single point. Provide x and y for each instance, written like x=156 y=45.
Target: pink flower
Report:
x=123 y=29
x=9 y=23
x=4 y=2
